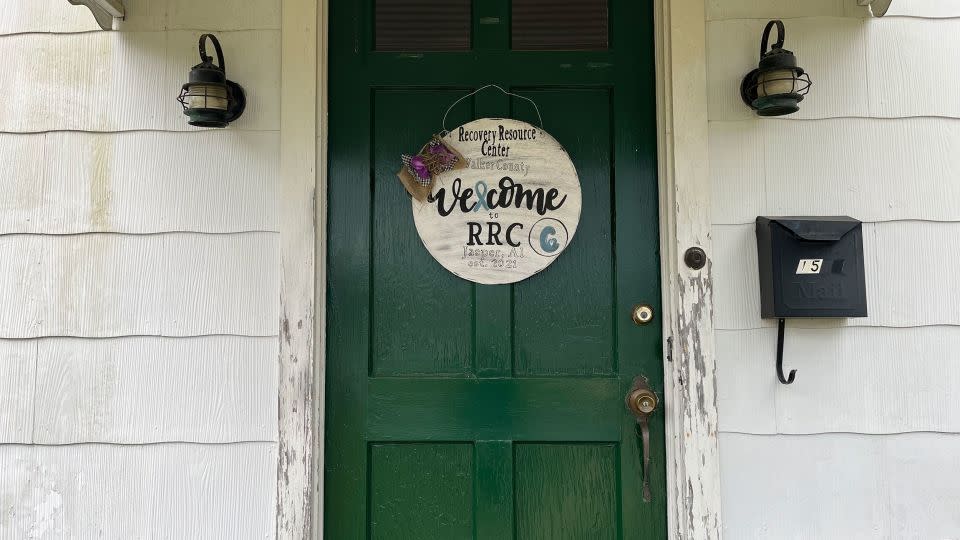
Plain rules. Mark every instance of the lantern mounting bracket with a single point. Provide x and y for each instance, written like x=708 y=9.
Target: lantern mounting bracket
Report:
x=104 y=11
x=238 y=101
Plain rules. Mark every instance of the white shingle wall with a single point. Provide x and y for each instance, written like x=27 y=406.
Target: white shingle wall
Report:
x=864 y=444
x=138 y=276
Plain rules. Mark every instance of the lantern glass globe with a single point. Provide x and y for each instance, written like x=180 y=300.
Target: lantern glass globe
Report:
x=780 y=81
x=202 y=96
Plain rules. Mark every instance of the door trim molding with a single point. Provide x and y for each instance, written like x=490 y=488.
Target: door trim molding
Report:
x=302 y=274
x=693 y=471
x=693 y=467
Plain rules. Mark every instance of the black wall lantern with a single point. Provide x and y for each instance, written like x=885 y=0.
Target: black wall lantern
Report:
x=778 y=84
x=209 y=99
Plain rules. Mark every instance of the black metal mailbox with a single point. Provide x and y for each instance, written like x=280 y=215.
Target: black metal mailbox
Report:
x=811 y=267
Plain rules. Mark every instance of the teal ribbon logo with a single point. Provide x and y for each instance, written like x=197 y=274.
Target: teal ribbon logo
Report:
x=481 y=189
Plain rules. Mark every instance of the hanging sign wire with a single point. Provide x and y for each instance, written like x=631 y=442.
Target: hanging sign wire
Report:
x=444 y=122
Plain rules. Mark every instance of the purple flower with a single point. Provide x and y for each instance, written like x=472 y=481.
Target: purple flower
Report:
x=419 y=166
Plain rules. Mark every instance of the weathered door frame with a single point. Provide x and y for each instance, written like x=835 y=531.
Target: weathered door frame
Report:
x=693 y=488
x=693 y=466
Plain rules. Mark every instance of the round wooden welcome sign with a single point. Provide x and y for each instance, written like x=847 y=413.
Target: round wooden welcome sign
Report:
x=507 y=215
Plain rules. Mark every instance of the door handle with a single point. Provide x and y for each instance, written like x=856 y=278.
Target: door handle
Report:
x=642 y=401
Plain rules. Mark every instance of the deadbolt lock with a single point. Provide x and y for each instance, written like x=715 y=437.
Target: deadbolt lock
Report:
x=641 y=400
x=642 y=314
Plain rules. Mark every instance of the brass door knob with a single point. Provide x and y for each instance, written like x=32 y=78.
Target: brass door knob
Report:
x=641 y=400
x=644 y=402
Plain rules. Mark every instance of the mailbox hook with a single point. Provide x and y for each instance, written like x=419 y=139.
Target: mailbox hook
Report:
x=793 y=372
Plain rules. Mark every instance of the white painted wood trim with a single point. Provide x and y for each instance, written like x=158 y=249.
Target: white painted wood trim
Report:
x=320 y=325
x=296 y=472
x=693 y=467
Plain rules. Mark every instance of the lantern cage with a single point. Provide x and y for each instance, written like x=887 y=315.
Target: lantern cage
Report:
x=778 y=84
x=209 y=99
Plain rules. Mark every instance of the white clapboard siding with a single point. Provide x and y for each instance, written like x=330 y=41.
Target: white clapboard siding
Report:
x=924 y=8
x=857 y=379
x=831 y=49
x=872 y=169
x=102 y=285
x=45 y=16
x=921 y=486
x=18 y=362
x=118 y=81
x=58 y=16
x=783 y=9
x=149 y=389
x=840 y=486
x=147 y=15
x=223 y=14
x=153 y=491
x=860 y=67
x=905 y=58
x=139 y=182
x=910 y=273
x=192 y=15
x=746 y=373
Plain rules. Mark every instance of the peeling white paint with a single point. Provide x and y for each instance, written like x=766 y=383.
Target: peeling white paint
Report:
x=300 y=397
x=47 y=518
x=693 y=469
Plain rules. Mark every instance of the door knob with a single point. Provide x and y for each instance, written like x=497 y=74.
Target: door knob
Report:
x=642 y=401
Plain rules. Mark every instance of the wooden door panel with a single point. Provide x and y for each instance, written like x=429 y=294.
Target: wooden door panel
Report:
x=563 y=317
x=566 y=491
x=410 y=409
x=421 y=491
x=421 y=314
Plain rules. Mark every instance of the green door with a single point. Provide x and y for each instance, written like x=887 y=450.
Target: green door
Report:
x=457 y=410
